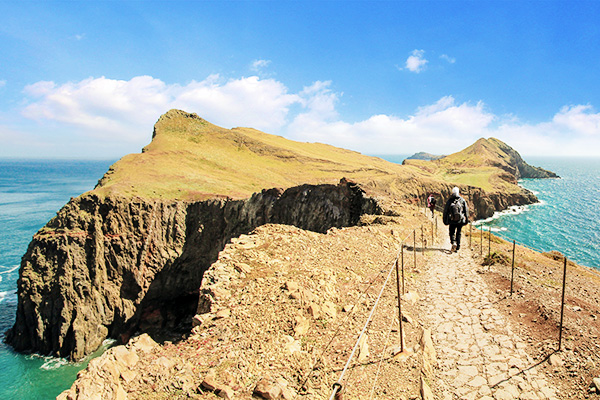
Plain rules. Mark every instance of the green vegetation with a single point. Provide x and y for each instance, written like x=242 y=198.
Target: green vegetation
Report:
x=192 y=159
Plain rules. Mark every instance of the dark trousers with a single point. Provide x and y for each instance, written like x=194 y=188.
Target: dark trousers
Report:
x=455 y=234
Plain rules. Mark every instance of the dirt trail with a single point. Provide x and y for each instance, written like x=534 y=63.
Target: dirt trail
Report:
x=479 y=355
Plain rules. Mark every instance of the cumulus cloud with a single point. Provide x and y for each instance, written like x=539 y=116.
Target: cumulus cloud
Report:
x=580 y=119
x=126 y=110
x=415 y=62
x=117 y=113
x=443 y=125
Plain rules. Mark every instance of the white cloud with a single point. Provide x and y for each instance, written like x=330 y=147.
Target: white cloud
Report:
x=2 y=83
x=120 y=114
x=443 y=125
x=258 y=65
x=126 y=110
x=579 y=119
x=446 y=57
x=415 y=62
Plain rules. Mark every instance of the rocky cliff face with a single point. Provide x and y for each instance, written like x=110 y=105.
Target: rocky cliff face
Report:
x=515 y=165
x=104 y=267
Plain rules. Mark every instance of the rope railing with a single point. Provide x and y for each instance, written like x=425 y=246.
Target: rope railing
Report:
x=529 y=247
x=397 y=264
x=512 y=273
x=337 y=386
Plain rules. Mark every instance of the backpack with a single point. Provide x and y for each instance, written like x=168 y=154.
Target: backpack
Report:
x=456 y=210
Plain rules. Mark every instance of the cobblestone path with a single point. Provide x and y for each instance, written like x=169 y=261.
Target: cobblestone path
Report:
x=478 y=355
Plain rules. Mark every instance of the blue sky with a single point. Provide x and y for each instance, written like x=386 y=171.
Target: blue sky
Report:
x=88 y=79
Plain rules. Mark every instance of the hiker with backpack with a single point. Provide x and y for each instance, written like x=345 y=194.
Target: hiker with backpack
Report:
x=431 y=203
x=456 y=215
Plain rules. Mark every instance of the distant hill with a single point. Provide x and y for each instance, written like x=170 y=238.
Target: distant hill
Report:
x=424 y=156
x=488 y=163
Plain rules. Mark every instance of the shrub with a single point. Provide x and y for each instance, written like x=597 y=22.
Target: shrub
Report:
x=495 y=258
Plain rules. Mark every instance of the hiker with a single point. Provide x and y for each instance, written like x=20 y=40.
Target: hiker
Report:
x=456 y=214
x=431 y=203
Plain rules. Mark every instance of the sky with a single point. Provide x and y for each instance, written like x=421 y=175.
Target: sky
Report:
x=88 y=79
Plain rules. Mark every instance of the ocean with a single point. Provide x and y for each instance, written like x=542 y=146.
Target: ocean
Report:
x=31 y=192
x=567 y=219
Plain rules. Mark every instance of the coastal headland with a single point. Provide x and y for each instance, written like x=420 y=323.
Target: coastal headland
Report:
x=147 y=249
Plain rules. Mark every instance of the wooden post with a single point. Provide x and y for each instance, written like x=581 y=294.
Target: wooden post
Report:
x=512 y=271
x=432 y=239
x=415 y=247
x=399 y=306
x=422 y=241
x=402 y=253
x=562 y=304
x=489 y=241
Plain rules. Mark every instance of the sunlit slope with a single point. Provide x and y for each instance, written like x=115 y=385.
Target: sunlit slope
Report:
x=190 y=158
x=488 y=163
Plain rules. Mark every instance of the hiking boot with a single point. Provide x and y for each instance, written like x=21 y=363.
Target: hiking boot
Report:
x=453 y=247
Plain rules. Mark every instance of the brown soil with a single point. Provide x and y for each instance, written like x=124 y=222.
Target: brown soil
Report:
x=287 y=307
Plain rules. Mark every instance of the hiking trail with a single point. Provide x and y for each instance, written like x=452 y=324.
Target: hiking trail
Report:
x=479 y=356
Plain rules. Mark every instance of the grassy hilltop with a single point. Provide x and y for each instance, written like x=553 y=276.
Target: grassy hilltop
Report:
x=192 y=159
x=488 y=163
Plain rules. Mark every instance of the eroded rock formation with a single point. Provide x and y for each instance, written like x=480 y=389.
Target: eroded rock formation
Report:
x=103 y=267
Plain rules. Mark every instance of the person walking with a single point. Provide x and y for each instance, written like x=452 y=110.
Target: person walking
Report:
x=431 y=203
x=456 y=215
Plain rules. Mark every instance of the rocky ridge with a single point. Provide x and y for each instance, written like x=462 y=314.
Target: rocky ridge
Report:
x=105 y=267
x=130 y=255
x=282 y=308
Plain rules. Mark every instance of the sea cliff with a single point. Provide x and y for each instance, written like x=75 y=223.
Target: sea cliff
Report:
x=130 y=255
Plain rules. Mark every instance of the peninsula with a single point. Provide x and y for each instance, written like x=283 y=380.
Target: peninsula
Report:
x=131 y=255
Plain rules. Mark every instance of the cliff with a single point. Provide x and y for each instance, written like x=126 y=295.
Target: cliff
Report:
x=130 y=255
x=104 y=267
x=495 y=153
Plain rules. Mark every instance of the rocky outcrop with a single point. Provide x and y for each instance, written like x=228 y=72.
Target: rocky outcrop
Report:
x=481 y=203
x=517 y=166
x=107 y=266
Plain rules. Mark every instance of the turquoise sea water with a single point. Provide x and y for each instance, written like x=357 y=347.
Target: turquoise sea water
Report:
x=31 y=192
x=567 y=218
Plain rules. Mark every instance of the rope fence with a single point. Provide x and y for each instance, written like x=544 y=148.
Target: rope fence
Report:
x=440 y=208
x=398 y=265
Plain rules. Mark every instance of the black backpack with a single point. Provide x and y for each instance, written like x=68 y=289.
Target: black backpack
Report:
x=456 y=210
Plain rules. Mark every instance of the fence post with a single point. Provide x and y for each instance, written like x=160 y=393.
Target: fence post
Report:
x=399 y=306
x=422 y=241
x=562 y=304
x=415 y=247
x=489 y=241
x=432 y=238
x=402 y=253
x=512 y=271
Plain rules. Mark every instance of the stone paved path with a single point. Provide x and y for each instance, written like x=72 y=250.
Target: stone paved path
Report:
x=478 y=355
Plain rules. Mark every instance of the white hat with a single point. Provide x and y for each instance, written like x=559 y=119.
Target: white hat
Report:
x=455 y=191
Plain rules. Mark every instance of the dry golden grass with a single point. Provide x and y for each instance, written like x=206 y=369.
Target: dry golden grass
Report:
x=192 y=159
